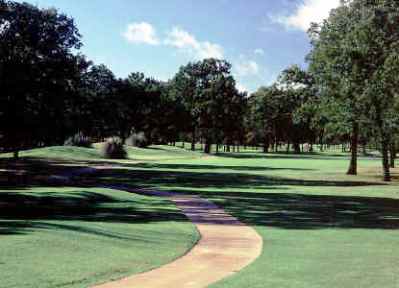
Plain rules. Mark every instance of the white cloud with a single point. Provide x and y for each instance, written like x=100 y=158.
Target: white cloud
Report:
x=180 y=38
x=141 y=33
x=145 y=33
x=259 y=51
x=247 y=68
x=210 y=50
x=307 y=12
x=187 y=42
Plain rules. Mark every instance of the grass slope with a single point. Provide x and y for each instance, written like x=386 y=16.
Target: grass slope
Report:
x=59 y=152
x=76 y=237
x=156 y=152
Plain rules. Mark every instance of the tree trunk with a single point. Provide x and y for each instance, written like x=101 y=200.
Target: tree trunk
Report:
x=385 y=159
x=266 y=146
x=217 y=148
x=288 y=148
x=392 y=154
x=321 y=136
x=297 y=148
x=207 y=148
x=385 y=141
x=354 y=143
x=193 y=140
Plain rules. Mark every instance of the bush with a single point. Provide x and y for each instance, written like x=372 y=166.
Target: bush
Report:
x=78 y=140
x=138 y=140
x=113 y=149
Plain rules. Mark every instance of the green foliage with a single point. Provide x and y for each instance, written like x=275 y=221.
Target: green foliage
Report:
x=34 y=40
x=355 y=60
x=286 y=111
x=213 y=104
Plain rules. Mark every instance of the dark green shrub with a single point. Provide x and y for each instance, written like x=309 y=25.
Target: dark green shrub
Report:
x=113 y=149
x=78 y=140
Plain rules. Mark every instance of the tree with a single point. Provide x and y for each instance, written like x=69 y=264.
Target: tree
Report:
x=99 y=104
x=303 y=102
x=184 y=90
x=356 y=54
x=207 y=90
x=36 y=72
x=379 y=39
x=338 y=69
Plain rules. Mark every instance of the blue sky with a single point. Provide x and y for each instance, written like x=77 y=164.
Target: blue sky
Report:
x=259 y=37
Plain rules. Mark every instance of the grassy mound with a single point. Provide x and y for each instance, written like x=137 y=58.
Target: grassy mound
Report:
x=160 y=152
x=59 y=152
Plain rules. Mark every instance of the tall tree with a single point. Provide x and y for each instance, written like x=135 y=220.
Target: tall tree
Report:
x=36 y=67
x=338 y=70
x=205 y=88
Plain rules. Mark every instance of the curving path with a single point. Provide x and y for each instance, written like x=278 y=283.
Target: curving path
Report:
x=226 y=246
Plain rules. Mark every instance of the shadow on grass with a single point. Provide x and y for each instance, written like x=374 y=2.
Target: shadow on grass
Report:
x=214 y=167
x=299 y=211
x=283 y=155
x=32 y=172
x=220 y=180
x=21 y=212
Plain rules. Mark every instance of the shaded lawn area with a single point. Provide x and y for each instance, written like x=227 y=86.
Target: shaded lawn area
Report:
x=320 y=227
x=79 y=236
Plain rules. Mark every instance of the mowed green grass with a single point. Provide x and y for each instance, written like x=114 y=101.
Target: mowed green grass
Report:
x=320 y=227
x=80 y=236
x=77 y=237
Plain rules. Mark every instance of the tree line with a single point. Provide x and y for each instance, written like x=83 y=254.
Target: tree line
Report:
x=49 y=91
x=346 y=95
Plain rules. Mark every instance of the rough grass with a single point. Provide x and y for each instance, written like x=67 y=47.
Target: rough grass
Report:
x=76 y=237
